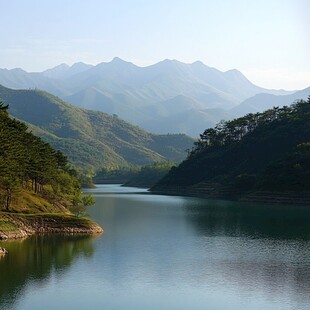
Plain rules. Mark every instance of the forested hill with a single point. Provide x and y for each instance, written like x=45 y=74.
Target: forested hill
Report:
x=91 y=139
x=29 y=164
x=267 y=151
x=39 y=192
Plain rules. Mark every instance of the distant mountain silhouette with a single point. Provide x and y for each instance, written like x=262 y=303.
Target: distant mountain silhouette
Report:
x=261 y=102
x=146 y=96
x=64 y=71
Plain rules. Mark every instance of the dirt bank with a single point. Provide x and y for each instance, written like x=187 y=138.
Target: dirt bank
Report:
x=14 y=226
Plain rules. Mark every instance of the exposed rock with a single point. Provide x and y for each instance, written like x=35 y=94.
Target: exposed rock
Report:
x=3 y=251
x=44 y=224
x=17 y=234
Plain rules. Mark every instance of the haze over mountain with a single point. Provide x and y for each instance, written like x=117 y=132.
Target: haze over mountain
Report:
x=169 y=96
x=91 y=139
x=261 y=102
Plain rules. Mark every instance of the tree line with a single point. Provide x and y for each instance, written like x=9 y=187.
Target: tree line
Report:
x=29 y=163
x=233 y=131
x=261 y=151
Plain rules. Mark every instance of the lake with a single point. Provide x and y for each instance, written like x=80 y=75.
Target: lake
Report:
x=165 y=252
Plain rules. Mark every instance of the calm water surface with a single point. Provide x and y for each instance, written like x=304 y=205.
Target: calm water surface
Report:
x=163 y=252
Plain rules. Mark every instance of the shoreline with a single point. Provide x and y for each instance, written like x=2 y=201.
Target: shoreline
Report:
x=17 y=225
x=214 y=192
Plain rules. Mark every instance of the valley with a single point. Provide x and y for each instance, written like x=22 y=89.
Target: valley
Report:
x=92 y=139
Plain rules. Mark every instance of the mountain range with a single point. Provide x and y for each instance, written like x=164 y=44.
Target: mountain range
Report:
x=91 y=139
x=167 y=97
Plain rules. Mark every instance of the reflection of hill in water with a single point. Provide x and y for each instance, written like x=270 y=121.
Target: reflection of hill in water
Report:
x=35 y=259
x=249 y=220
x=263 y=246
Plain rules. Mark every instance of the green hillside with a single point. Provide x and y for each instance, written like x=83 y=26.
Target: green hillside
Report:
x=31 y=171
x=266 y=151
x=91 y=139
x=39 y=192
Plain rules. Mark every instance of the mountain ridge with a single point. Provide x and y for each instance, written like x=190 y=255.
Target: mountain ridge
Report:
x=263 y=101
x=91 y=139
x=134 y=93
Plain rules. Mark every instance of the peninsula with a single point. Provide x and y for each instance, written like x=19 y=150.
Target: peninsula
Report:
x=39 y=191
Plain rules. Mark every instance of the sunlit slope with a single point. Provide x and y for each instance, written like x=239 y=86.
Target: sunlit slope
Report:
x=90 y=138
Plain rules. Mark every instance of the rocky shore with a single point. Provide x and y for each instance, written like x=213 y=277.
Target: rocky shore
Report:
x=3 y=251
x=17 y=226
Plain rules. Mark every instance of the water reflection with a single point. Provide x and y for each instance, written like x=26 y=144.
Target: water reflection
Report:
x=164 y=252
x=244 y=256
x=213 y=217
x=35 y=259
x=262 y=247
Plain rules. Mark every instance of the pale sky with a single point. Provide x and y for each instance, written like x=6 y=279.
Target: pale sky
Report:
x=267 y=40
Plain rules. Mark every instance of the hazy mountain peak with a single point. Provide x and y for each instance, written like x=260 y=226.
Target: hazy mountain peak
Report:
x=233 y=72
x=60 y=67
x=168 y=64
x=116 y=62
x=118 y=59
x=199 y=66
x=17 y=70
x=198 y=63
x=171 y=61
x=77 y=67
x=56 y=72
x=64 y=71
x=236 y=74
x=80 y=64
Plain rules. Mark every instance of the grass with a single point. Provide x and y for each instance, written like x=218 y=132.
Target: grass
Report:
x=31 y=210
x=7 y=225
x=28 y=202
x=64 y=219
